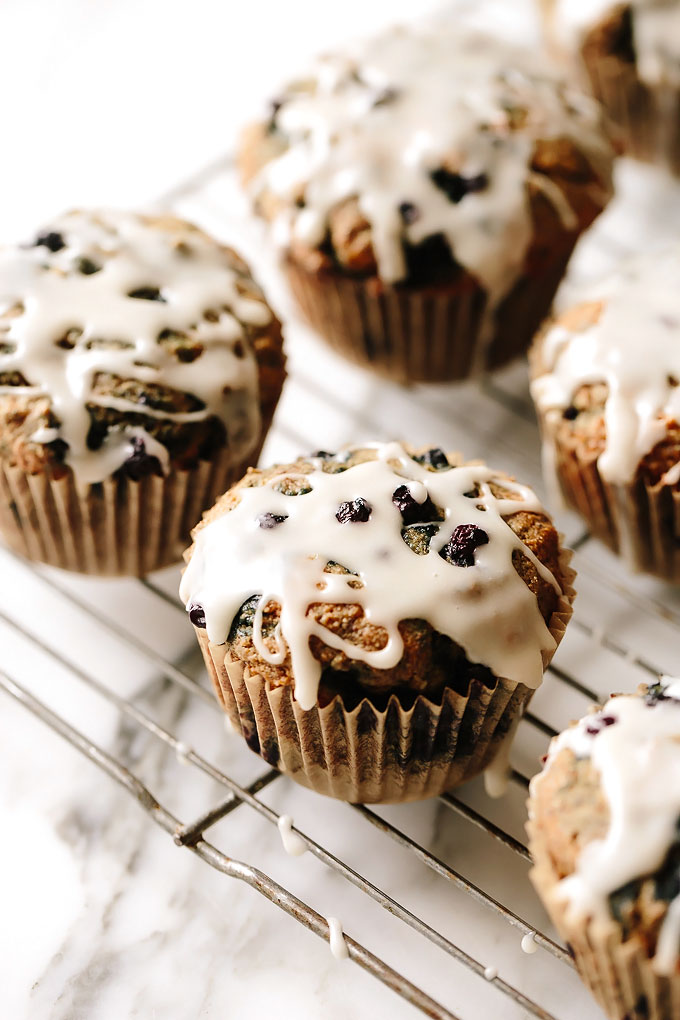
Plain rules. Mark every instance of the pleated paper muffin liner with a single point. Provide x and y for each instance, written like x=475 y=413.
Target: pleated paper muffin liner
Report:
x=646 y=121
x=369 y=755
x=619 y=972
x=427 y=334
x=637 y=520
x=116 y=527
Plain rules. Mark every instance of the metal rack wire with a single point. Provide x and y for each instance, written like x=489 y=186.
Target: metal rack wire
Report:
x=618 y=649
x=192 y=834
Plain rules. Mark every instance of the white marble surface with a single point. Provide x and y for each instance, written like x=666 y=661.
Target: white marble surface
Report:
x=103 y=917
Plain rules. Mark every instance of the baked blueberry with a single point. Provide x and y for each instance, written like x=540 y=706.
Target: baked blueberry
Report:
x=355 y=511
x=460 y=548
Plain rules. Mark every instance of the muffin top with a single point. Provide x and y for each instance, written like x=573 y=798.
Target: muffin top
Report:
x=126 y=338
x=422 y=145
x=371 y=559
x=608 y=805
x=606 y=372
x=644 y=31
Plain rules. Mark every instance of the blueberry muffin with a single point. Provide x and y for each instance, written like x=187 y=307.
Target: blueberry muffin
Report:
x=140 y=367
x=374 y=621
x=427 y=187
x=605 y=383
x=630 y=53
x=605 y=841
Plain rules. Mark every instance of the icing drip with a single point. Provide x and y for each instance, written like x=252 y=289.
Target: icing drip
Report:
x=337 y=939
x=475 y=596
x=633 y=347
x=292 y=843
x=656 y=33
x=417 y=125
x=497 y=774
x=94 y=296
x=634 y=746
x=528 y=943
x=183 y=752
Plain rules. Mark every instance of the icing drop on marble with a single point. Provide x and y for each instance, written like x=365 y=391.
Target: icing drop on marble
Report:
x=483 y=605
x=633 y=347
x=293 y=844
x=107 y=277
x=528 y=943
x=337 y=939
x=490 y=973
x=635 y=747
x=417 y=125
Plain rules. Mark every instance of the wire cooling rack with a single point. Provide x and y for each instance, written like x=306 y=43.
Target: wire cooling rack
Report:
x=625 y=630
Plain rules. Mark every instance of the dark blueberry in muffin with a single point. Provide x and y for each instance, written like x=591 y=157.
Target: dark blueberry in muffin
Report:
x=456 y=187
x=411 y=511
x=268 y=520
x=146 y=294
x=355 y=511
x=434 y=459
x=460 y=548
x=51 y=240
x=96 y=434
x=58 y=448
x=197 y=615
x=140 y=464
x=600 y=723
x=657 y=692
x=87 y=267
x=409 y=212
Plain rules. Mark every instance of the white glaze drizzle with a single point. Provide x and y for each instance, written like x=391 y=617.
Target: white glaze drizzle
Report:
x=528 y=943
x=634 y=347
x=194 y=275
x=293 y=844
x=638 y=761
x=490 y=973
x=497 y=774
x=448 y=104
x=656 y=32
x=183 y=753
x=337 y=939
x=487 y=608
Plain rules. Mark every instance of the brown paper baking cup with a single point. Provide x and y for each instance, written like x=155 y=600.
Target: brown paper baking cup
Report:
x=116 y=527
x=646 y=121
x=367 y=755
x=426 y=334
x=638 y=520
x=619 y=973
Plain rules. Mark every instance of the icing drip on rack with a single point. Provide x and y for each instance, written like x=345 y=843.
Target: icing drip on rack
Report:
x=337 y=939
x=417 y=125
x=293 y=844
x=634 y=744
x=633 y=347
x=277 y=546
x=95 y=294
x=656 y=33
